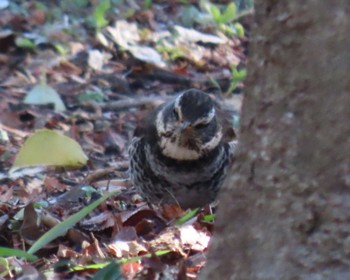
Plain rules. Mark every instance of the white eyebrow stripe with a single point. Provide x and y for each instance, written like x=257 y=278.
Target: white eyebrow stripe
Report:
x=213 y=142
x=206 y=119
x=160 y=126
x=177 y=106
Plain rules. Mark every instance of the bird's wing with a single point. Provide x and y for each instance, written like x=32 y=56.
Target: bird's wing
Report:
x=232 y=150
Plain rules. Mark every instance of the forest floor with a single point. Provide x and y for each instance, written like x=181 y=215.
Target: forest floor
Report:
x=92 y=70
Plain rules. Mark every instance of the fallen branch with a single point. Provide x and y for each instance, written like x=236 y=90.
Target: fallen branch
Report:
x=135 y=102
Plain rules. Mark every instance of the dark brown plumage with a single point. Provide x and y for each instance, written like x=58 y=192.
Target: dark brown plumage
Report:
x=178 y=155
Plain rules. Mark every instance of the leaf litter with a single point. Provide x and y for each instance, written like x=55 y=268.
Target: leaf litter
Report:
x=102 y=77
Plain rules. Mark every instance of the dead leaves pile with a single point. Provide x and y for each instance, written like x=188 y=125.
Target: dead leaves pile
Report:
x=93 y=83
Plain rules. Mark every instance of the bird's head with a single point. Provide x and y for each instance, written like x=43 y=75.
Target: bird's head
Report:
x=187 y=126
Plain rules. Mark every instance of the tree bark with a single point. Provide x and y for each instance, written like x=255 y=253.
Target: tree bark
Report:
x=285 y=209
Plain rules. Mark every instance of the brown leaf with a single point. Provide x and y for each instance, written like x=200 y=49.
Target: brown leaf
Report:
x=179 y=238
x=66 y=252
x=93 y=249
x=30 y=230
x=129 y=269
x=172 y=211
x=126 y=244
x=98 y=222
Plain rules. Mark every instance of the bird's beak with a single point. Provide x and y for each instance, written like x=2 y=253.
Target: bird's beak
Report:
x=184 y=127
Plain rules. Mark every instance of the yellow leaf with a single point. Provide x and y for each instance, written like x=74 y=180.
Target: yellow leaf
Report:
x=50 y=148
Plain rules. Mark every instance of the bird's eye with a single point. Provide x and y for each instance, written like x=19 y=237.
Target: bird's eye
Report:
x=167 y=134
x=201 y=125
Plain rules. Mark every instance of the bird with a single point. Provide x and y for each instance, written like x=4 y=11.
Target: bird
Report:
x=178 y=155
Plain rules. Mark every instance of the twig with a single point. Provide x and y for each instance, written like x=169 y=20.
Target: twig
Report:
x=134 y=102
x=14 y=131
x=102 y=173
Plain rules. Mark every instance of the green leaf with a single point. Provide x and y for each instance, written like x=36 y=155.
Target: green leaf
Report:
x=233 y=86
x=239 y=29
x=89 y=266
x=215 y=11
x=187 y=216
x=135 y=259
x=209 y=218
x=95 y=96
x=50 y=148
x=62 y=50
x=227 y=29
x=99 y=15
x=230 y=13
x=25 y=43
x=111 y=271
x=10 y=252
x=44 y=94
x=62 y=228
x=41 y=204
x=88 y=190
x=239 y=75
x=122 y=260
x=147 y=4
x=4 y=268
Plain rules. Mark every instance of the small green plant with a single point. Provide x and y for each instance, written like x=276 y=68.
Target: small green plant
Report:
x=10 y=252
x=187 y=216
x=5 y=268
x=209 y=218
x=92 y=96
x=237 y=77
x=99 y=17
x=111 y=271
x=173 y=52
x=232 y=29
x=25 y=43
x=225 y=16
x=147 y=4
x=60 y=48
x=225 y=19
x=111 y=268
x=61 y=228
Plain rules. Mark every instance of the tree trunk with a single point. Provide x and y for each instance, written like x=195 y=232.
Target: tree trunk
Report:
x=285 y=210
